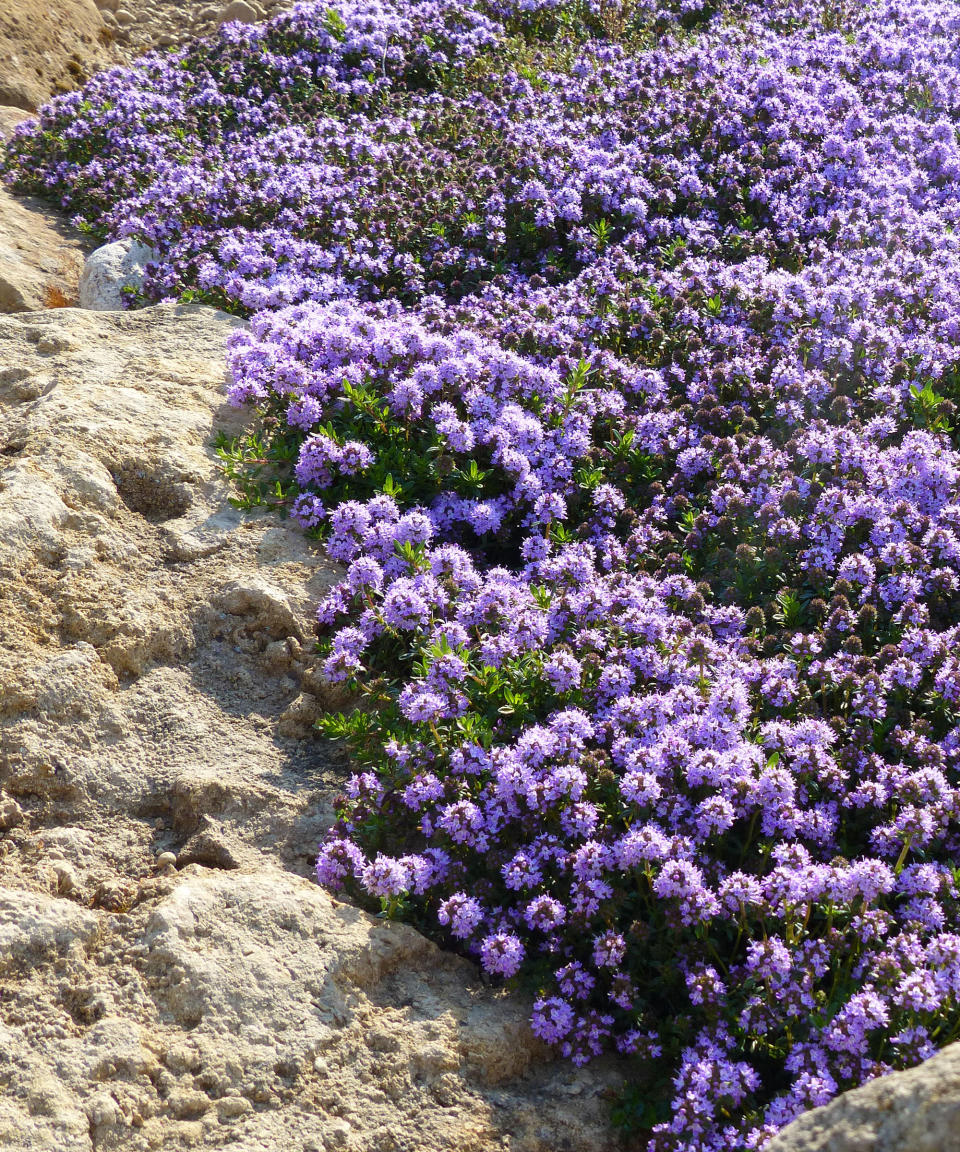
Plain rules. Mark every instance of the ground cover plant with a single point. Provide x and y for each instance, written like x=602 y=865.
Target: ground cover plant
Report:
x=614 y=349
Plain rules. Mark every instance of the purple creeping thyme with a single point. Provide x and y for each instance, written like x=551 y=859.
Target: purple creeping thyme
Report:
x=612 y=346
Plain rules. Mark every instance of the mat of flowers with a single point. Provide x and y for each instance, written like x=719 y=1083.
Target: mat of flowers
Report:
x=613 y=347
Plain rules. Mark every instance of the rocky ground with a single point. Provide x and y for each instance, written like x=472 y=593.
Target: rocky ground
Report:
x=49 y=46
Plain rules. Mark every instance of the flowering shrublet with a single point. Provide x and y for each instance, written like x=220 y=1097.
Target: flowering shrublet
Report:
x=613 y=350
x=728 y=816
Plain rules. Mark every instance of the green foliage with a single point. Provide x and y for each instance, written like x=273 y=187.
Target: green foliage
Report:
x=930 y=409
x=335 y=25
x=259 y=462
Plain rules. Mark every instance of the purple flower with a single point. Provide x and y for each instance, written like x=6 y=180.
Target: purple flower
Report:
x=563 y=672
x=462 y=913
x=385 y=877
x=609 y=949
x=502 y=954
x=552 y=1019
x=419 y=704
x=544 y=913
x=338 y=860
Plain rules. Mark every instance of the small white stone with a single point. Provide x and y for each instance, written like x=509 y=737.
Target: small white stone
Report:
x=66 y=878
x=230 y=1107
x=103 y=1110
x=336 y=1134
x=110 y=269
x=78 y=559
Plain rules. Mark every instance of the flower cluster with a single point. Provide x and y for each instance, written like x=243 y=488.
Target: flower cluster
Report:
x=613 y=349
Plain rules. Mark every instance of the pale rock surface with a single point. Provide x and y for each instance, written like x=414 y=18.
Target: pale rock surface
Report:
x=110 y=269
x=41 y=256
x=139 y=25
x=10 y=117
x=913 y=1111
x=48 y=46
x=171 y=977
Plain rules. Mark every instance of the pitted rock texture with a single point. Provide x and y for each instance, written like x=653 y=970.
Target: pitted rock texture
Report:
x=913 y=1111
x=170 y=976
x=252 y=1011
x=152 y=637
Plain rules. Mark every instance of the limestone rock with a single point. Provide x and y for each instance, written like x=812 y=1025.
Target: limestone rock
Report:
x=305 y=987
x=268 y=607
x=10 y=117
x=110 y=269
x=211 y=845
x=48 y=46
x=41 y=256
x=238 y=10
x=118 y=675
x=913 y=1111
x=34 y=928
x=275 y=1017
x=11 y=813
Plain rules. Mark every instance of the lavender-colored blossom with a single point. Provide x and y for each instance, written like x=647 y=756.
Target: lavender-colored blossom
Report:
x=501 y=954
x=462 y=913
